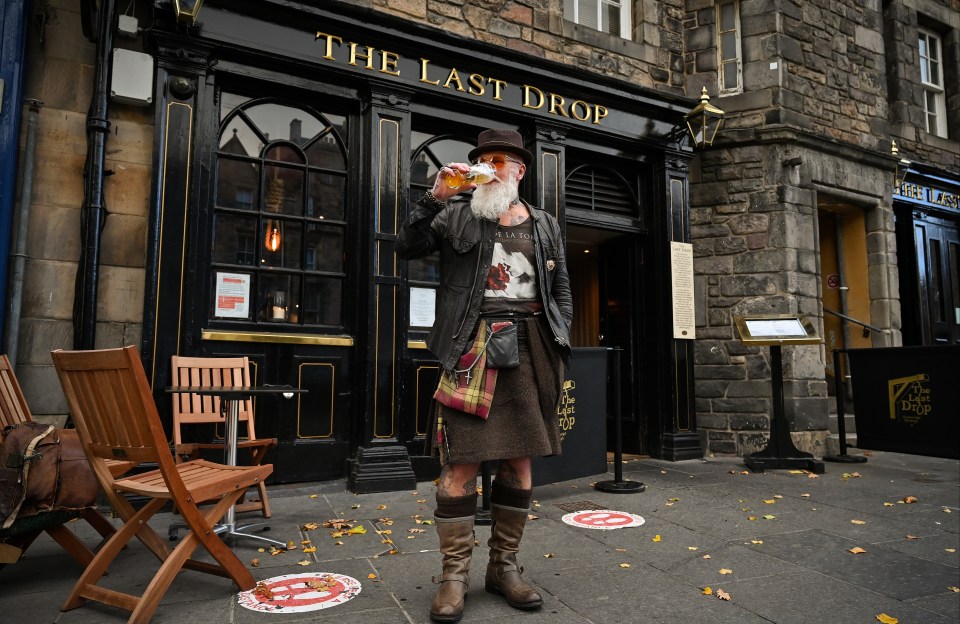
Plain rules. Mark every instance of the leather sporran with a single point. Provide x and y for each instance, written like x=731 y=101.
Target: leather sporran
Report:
x=502 y=348
x=469 y=388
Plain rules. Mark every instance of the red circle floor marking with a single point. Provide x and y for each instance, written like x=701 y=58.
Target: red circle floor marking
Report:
x=291 y=594
x=604 y=519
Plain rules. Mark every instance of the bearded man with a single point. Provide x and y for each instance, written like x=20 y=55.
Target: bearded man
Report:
x=500 y=259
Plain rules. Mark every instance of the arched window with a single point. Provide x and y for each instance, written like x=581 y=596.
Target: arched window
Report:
x=279 y=214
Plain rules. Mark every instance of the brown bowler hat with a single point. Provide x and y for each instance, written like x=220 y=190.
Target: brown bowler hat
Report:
x=500 y=140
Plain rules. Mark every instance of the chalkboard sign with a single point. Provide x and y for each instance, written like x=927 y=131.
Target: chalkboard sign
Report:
x=582 y=417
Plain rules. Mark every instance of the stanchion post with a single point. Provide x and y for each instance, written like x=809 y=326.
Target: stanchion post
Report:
x=840 y=389
x=618 y=485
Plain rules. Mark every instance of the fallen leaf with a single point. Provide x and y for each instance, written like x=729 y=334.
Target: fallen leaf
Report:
x=263 y=591
x=912 y=537
x=532 y=517
x=691 y=547
x=255 y=563
x=656 y=538
x=855 y=475
x=416 y=530
x=769 y=517
x=305 y=542
x=742 y=500
x=888 y=504
x=706 y=556
x=955 y=590
x=357 y=530
x=371 y=576
x=751 y=518
x=858 y=522
x=291 y=545
x=910 y=499
x=805 y=495
x=381 y=507
x=309 y=549
x=673 y=500
x=950 y=550
x=385 y=532
x=338 y=524
x=810 y=475
x=303 y=562
x=310 y=526
x=421 y=500
x=548 y=556
x=322 y=584
x=744 y=509
x=620 y=549
x=313 y=496
x=261 y=550
x=756 y=541
x=886 y=619
x=386 y=521
x=778 y=496
x=625 y=565
x=338 y=543
x=722 y=595
x=857 y=550
x=769 y=501
x=796 y=472
x=945 y=510
x=707 y=591
x=868 y=453
x=726 y=571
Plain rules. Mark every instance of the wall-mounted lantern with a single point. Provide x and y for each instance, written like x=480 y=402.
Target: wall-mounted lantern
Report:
x=704 y=121
x=903 y=166
x=187 y=10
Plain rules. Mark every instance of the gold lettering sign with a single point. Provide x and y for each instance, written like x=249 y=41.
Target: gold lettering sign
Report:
x=566 y=411
x=909 y=398
x=927 y=194
x=475 y=84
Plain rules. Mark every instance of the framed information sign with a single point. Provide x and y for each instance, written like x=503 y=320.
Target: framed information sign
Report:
x=775 y=329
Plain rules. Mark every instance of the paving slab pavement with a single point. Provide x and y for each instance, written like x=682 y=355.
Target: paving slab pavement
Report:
x=777 y=542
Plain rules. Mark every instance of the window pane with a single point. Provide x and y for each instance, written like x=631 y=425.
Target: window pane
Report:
x=611 y=19
x=228 y=102
x=238 y=184
x=728 y=18
x=284 y=153
x=279 y=122
x=234 y=239
x=924 y=71
x=568 y=10
x=934 y=48
x=238 y=138
x=279 y=295
x=730 y=75
x=425 y=269
x=324 y=248
x=322 y=301
x=326 y=197
x=281 y=244
x=934 y=73
x=588 y=13
x=728 y=46
x=284 y=190
x=326 y=153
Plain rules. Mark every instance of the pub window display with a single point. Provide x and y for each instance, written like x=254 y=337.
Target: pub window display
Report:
x=279 y=213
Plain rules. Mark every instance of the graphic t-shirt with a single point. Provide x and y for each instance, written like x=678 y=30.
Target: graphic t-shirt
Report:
x=512 y=280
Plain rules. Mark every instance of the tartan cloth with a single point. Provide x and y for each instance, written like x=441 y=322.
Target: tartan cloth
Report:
x=470 y=387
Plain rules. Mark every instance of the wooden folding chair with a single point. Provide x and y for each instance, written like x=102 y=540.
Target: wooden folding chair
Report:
x=19 y=536
x=111 y=403
x=195 y=409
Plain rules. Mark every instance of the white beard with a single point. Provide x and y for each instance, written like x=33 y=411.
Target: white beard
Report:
x=494 y=198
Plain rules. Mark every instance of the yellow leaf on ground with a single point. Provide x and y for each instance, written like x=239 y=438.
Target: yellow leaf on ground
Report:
x=756 y=541
x=625 y=565
x=769 y=517
x=357 y=530
x=912 y=537
x=357 y=506
x=691 y=547
x=950 y=550
x=888 y=504
x=796 y=472
x=810 y=475
x=769 y=501
x=416 y=530
x=955 y=590
x=548 y=556
x=706 y=556
x=371 y=576
x=945 y=510
x=722 y=595
x=304 y=562
x=338 y=543
x=291 y=545
x=620 y=549
x=910 y=499
x=255 y=563
x=751 y=518
x=673 y=500
x=707 y=591
x=855 y=475
x=532 y=517
x=858 y=522
x=313 y=496
x=856 y=550
x=656 y=538
x=310 y=549
x=386 y=521
x=886 y=619
x=261 y=550
x=726 y=571
x=381 y=506
x=778 y=496
x=805 y=495
x=421 y=500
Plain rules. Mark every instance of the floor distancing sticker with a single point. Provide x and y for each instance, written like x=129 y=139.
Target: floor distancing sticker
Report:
x=296 y=593
x=604 y=519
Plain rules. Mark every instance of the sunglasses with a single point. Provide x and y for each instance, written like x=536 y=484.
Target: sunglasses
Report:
x=499 y=162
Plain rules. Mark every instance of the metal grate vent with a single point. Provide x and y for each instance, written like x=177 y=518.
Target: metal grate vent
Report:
x=579 y=506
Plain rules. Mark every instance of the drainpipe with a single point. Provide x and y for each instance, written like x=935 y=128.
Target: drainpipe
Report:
x=93 y=211
x=844 y=306
x=19 y=254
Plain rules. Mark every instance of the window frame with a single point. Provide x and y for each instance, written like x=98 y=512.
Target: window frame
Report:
x=626 y=24
x=936 y=89
x=738 y=59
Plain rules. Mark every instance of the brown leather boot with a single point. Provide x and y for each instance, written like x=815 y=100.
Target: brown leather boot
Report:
x=503 y=572
x=456 y=545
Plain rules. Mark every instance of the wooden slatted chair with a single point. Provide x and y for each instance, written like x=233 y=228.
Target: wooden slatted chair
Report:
x=18 y=537
x=196 y=409
x=112 y=405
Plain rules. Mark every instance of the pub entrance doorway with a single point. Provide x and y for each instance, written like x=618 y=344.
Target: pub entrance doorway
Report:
x=606 y=276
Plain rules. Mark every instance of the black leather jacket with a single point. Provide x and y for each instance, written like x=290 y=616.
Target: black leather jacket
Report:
x=466 y=250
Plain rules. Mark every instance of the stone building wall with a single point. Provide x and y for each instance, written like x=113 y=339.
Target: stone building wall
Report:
x=60 y=73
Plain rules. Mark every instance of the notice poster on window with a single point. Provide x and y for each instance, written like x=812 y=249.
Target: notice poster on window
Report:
x=681 y=264
x=232 y=295
x=423 y=303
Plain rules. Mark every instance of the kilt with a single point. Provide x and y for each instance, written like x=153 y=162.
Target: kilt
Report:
x=523 y=419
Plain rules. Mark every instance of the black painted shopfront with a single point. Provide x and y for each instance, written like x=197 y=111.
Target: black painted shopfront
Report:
x=290 y=141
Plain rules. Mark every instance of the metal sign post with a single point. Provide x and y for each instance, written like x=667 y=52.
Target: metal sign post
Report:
x=775 y=330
